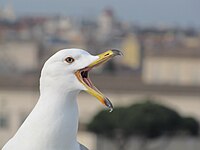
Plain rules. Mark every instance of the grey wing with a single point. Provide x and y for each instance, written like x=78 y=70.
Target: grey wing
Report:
x=82 y=147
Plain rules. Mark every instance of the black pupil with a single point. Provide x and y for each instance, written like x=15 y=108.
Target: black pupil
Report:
x=69 y=59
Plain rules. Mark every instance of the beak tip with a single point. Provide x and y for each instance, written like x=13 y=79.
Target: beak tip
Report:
x=108 y=104
x=117 y=52
x=111 y=109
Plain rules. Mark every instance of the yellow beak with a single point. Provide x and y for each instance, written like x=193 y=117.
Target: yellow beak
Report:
x=83 y=77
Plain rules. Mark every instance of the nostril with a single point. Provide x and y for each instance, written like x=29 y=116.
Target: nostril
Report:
x=107 y=54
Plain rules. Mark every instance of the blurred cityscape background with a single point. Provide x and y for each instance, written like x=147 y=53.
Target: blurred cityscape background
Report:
x=161 y=62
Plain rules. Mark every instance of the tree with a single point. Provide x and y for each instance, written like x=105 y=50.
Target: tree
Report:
x=190 y=126
x=146 y=120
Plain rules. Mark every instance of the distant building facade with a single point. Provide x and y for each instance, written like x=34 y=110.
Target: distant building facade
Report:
x=132 y=52
x=19 y=57
x=7 y=12
x=178 y=67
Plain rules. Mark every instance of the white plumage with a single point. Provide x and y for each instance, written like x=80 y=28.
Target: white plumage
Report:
x=53 y=123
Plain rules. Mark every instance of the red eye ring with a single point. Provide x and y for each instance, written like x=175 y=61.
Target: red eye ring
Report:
x=69 y=60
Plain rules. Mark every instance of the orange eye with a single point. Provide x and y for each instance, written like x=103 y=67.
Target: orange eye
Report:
x=69 y=60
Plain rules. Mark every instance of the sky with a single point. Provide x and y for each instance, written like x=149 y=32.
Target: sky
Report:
x=146 y=12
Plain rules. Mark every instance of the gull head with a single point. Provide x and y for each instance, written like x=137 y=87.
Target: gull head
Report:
x=68 y=71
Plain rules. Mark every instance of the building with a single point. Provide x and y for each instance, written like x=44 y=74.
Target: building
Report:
x=7 y=13
x=106 y=25
x=18 y=57
x=132 y=52
x=175 y=66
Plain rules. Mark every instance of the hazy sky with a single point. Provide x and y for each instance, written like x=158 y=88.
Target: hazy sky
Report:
x=172 y=12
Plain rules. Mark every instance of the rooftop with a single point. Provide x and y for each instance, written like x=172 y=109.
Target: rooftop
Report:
x=178 y=52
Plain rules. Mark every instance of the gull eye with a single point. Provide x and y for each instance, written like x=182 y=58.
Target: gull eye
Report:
x=69 y=60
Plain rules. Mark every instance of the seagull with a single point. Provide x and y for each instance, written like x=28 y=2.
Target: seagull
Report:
x=53 y=122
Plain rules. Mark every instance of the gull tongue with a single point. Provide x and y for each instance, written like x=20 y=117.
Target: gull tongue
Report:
x=88 y=82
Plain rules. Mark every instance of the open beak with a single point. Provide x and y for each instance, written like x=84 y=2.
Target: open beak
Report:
x=83 y=76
